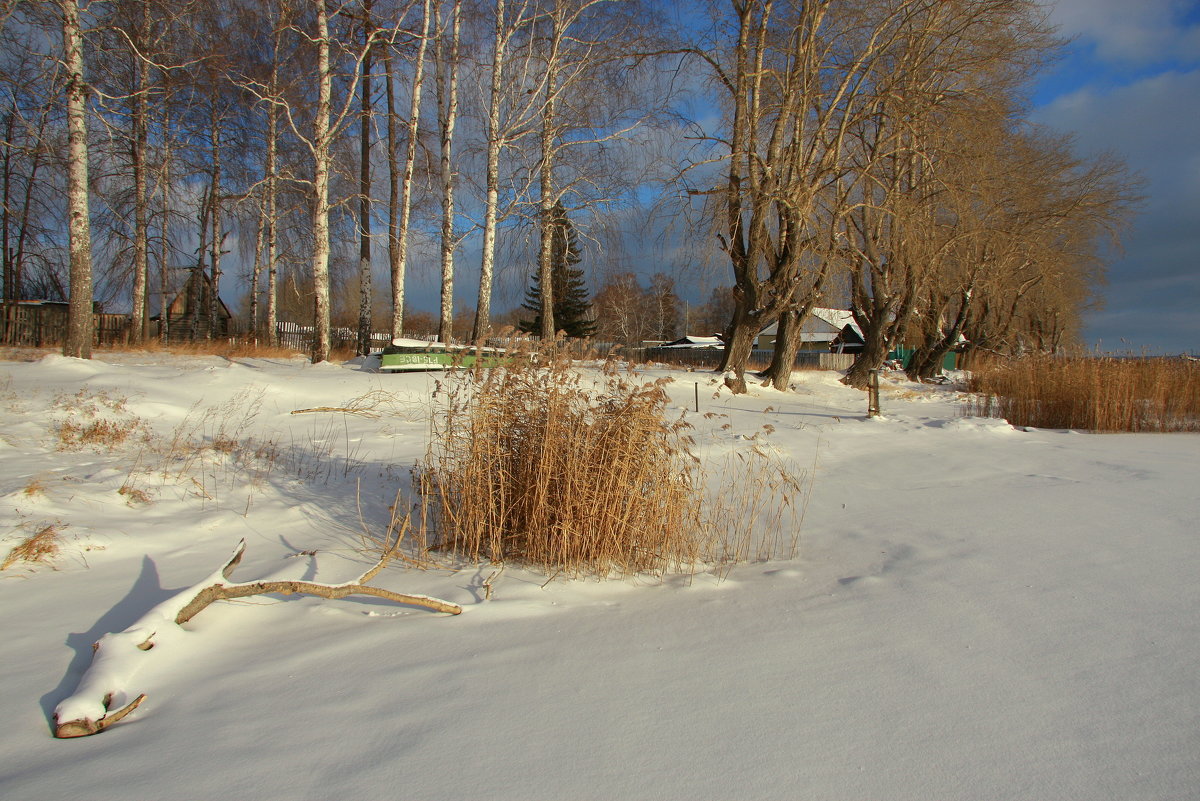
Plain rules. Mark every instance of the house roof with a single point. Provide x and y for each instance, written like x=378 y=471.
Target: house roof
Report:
x=850 y=334
x=838 y=318
x=834 y=319
x=181 y=302
x=695 y=342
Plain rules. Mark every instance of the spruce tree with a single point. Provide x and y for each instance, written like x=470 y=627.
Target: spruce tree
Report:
x=571 y=304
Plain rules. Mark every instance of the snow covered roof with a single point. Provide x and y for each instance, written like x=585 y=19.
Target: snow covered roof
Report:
x=695 y=342
x=836 y=319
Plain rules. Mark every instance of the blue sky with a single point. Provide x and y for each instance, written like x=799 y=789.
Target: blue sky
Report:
x=1130 y=84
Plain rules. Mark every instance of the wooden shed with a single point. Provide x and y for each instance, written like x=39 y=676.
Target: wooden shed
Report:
x=189 y=314
x=818 y=331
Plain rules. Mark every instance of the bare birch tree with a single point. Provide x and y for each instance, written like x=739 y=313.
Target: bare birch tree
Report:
x=78 y=342
x=401 y=179
x=319 y=144
x=446 y=63
x=28 y=204
x=573 y=40
x=267 y=234
x=363 y=345
x=796 y=83
x=512 y=113
x=502 y=34
x=139 y=307
x=328 y=120
x=272 y=89
x=944 y=57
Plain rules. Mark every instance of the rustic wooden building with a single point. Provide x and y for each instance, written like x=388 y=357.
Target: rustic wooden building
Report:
x=819 y=331
x=43 y=323
x=189 y=314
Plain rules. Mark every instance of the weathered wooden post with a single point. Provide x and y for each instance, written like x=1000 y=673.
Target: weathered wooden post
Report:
x=873 y=394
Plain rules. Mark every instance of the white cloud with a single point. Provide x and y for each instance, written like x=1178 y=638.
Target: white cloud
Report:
x=1130 y=31
x=1153 y=123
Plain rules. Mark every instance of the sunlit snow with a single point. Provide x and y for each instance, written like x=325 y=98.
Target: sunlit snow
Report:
x=977 y=611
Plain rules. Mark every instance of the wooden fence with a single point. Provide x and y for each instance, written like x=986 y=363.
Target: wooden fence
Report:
x=301 y=337
x=41 y=325
x=710 y=358
x=45 y=325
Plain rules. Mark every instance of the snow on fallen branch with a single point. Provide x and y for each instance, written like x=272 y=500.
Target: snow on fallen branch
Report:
x=117 y=657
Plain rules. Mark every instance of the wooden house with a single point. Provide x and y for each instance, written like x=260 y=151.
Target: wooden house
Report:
x=820 y=331
x=189 y=314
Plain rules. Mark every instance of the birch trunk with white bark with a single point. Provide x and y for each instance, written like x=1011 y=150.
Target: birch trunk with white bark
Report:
x=492 y=191
x=138 y=317
x=164 y=243
x=78 y=342
x=271 y=221
x=215 y=241
x=447 y=85
x=320 y=188
x=363 y=346
x=402 y=208
x=546 y=204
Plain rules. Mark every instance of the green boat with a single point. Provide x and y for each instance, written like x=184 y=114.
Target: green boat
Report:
x=409 y=355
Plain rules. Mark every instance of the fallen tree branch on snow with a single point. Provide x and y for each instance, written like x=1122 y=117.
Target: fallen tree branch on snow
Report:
x=343 y=409
x=118 y=656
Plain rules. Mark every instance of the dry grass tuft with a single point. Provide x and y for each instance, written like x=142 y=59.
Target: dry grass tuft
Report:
x=102 y=434
x=761 y=509
x=535 y=464
x=1090 y=393
x=34 y=488
x=16 y=353
x=95 y=419
x=373 y=405
x=230 y=349
x=225 y=444
x=216 y=447
x=134 y=496
x=90 y=402
x=41 y=546
x=341 y=353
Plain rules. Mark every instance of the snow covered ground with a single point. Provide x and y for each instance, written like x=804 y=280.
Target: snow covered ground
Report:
x=977 y=612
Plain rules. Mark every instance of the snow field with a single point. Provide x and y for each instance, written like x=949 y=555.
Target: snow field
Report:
x=976 y=611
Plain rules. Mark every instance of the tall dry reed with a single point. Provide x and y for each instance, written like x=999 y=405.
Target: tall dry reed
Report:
x=1091 y=393
x=41 y=546
x=528 y=464
x=228 y=348
x=570 y=472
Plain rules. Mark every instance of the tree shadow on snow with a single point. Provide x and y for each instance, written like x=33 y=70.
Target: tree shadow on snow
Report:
x=145 y=593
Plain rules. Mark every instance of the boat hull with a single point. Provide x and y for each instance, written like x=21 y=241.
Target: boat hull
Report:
x=404 y=359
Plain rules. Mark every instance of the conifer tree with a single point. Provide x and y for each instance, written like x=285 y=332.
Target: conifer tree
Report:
x=571 y=304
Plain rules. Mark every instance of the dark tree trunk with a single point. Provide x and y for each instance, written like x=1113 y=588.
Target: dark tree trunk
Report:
x=10 y=294
x=872 y=356
x=787 y=344
x=740 y=336
x=363 y=346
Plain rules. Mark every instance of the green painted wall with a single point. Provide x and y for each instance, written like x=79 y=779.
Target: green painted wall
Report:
x=904 y=354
